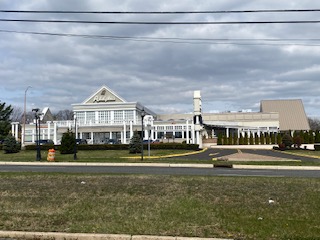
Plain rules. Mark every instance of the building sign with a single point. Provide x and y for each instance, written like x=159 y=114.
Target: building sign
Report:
x=103 y=97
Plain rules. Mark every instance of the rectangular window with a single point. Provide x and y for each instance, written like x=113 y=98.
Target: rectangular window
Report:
x=118 y=116
x=90 y=118
x=104 y=116
x=128 y=115
x=80 y=117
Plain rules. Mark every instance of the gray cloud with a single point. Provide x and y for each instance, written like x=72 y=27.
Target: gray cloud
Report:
x=161 y=75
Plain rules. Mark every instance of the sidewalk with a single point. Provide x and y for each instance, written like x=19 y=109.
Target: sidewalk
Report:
x=88 y=236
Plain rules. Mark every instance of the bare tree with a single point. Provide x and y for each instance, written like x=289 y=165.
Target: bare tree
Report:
x=314 y=123
x=63 y=115
x=17 y=114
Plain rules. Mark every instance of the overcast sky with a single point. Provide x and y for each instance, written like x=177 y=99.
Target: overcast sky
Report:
x=233 y=73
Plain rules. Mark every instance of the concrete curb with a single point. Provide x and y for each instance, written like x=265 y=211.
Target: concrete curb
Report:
x=309 y=168
x=88 y=236
x=166 y=165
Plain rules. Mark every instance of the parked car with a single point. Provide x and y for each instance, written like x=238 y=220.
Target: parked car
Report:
x=81 y=141
x=112 y=141
x=45 y=142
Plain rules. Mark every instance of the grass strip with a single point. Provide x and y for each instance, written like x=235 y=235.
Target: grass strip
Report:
x=225 y=207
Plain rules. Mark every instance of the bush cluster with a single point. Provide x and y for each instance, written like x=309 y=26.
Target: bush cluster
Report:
x=299 y=137
x=84 y=147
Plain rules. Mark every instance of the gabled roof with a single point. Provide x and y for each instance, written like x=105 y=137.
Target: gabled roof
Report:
x=104 y=95
x=46 y=115
x=292 y=115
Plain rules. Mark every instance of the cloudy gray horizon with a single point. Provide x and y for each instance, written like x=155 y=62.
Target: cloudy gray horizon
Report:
x=233 y=73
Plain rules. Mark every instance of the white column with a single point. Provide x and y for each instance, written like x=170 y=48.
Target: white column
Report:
x=131 y=129
x=227 y=132
x=187 y=133
x=33 y=135
x=91 y=137
x=193 y=134
x=55 y=133
x=124 y=133
x=16 y=131
x=49 y=130
x=12 y=129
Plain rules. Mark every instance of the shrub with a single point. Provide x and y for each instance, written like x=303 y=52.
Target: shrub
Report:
x=262 y=139
x=68 y=143
x=251 y=139
x=297 y=141
x=135 y=143
x=10 y=145
x=241 y=140
x=287 y=140
x=219 y=141
x=317 y=147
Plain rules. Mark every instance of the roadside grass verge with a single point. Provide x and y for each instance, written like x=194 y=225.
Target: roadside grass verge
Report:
x=100 y=156
x=225 y=207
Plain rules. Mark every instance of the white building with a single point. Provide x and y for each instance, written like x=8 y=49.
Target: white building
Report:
x=105 y=115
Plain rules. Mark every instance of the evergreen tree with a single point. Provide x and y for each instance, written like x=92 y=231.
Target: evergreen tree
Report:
x=311 y=137
x=241 y=139
x=287 y=140
x=268 y=138
x=68 y=143
x=306 y=137
x=229 y=140
x=5 y=123
x=135 y=143
x=317 y=137
x=235 y=139
x=251 y=139
x=219 y=140
x=245 y=139
x=279 y=138
x=10 y=145
x=225 y=140
x=262 y=138
x=273 y=138
x=256 y=139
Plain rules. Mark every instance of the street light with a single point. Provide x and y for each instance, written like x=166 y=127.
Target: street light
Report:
x=24 y=115
x=37 y=117
x=75 y=135
x=143 y=113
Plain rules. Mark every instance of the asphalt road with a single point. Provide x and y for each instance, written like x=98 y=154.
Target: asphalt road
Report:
x=161 y=171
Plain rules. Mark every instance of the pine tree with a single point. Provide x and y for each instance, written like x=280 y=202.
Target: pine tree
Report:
x=251 y=139
x=262 y=138
x=219 y=141
x=5 y=123
x=135 y=143
x=68 y=143
x=235 y=139
x=245 y=139
x=256 y=139
x=10 y=145
x=241 y=139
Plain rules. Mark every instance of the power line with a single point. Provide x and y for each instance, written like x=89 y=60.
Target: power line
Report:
x=165 y=12
x=162 y=23
x=232 y=41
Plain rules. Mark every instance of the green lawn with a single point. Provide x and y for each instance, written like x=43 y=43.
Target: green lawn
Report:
x=226 y=207
x=101 y=156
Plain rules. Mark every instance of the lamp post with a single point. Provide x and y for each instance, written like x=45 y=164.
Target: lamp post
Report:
x=75 y=135
x=143 y=113
x=37 y=117
x=24 y=115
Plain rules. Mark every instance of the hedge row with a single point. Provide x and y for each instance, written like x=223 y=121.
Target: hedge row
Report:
x=194 y=147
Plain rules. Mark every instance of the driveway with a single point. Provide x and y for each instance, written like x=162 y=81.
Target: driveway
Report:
x=247 y=154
